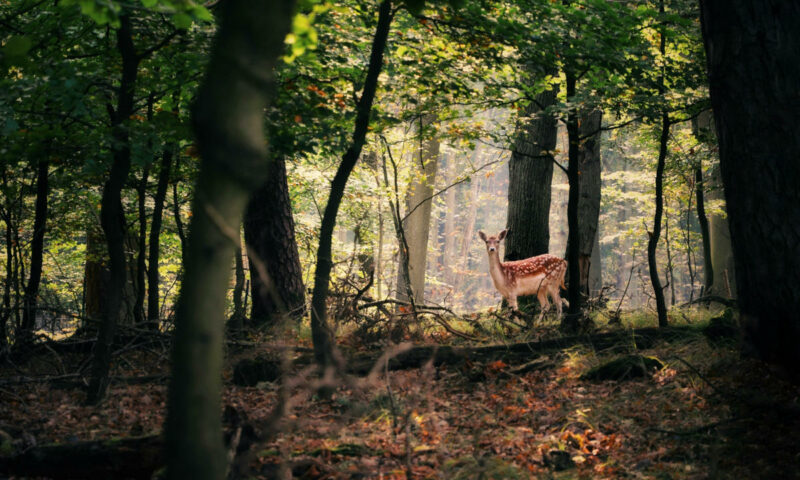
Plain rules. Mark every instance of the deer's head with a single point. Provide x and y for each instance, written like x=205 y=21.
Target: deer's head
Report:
x=492 y=242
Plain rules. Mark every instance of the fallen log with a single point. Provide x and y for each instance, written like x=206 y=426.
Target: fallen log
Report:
x=249 y=372
x=123 y=458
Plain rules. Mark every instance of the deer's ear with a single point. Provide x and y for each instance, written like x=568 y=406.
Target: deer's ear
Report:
x=482 y=235
x=502 y=234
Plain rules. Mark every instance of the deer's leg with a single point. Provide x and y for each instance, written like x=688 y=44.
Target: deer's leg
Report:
x=557 y=300
x=543 y=303
x=512 y=302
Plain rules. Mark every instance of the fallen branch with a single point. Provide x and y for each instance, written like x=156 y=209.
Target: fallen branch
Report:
x=120 y=458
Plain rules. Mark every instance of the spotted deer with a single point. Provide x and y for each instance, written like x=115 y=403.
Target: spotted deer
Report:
x=542 y=275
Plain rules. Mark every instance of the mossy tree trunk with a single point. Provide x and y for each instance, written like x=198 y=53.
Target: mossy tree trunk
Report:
x=229 y=125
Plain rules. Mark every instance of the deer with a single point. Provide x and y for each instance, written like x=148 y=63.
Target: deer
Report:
x=541 y=275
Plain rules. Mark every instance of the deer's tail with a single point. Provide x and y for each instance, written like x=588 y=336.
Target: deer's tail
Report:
x=564 y=274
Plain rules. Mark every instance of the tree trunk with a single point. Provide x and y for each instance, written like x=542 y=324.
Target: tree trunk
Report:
x=721 y=248
x=37 y=249
x=140 y=285
x=589 y=203
x=153 y=280
x=571 y=321
x=95 y=277
x=702 y=218
x=229 y=123
x=652 y=243
x=176 y=212
x=272 y=251
x=419 y=203
x=112 y=216
x=752 y=50
x=236 y=322
x=452 y=214
x=321 y=335
x=530 y=176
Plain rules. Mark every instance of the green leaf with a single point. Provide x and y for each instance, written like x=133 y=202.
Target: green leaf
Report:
x=17 y=46
x=149 y=3
x=182 y=20
x=201 y=13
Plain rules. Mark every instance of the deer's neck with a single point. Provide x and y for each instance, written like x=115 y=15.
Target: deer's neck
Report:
x=496 y=270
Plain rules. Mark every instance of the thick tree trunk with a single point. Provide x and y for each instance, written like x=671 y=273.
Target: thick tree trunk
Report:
x=29 y=303
x=530 y=176
x=652 y=243
x=95 y=277
x=321 y=334
x=419 y=203
x=589 y=203
x=752 y=50
x=272 y=252
x=153 y=280
x=112 y=216
x=229 y=124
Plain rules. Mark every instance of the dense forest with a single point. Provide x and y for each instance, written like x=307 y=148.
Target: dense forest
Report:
x=332 y=239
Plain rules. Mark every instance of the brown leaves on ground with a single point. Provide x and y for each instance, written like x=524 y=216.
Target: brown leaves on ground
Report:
x=708 y=414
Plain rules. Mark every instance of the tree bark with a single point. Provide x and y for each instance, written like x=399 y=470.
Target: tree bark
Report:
x=112 y=216
x=652 y=243
x=321 y=334
x=589 y=203
x=751 y=48
x=419 y=203
x=702 y=219
x=37 y=249
x=571 y=321
x=272 y=251
x=140 y=285
x=153 y=280
x=530 y=176
x=236 y=322
x=229 y=126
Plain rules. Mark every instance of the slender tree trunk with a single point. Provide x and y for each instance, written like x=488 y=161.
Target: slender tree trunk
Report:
x=467 y=240
x=112 y=216
x=571 y=321
x=652 y=243
x=229 y=124
x=236 y=322
x=589 y=203
x=419 y=203
x=708 y=267
x=153 y=277
x=321 y=334
x=37 y=249
x=6 y=314
x=272 y=251
x=140 y=286
x=176 y=212
x=751 y=48
x=452 y=213
x=670 y=264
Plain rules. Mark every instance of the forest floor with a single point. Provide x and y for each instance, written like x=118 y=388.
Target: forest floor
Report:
x=707 y=414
